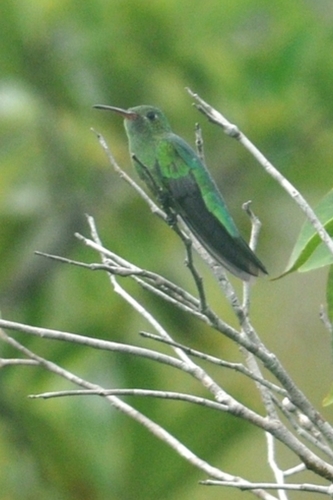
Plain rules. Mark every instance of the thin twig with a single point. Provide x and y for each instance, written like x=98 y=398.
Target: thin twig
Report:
x=278 y=473
x=176 y=396
x=157 y=283
x=238 y=367
x=325 y=490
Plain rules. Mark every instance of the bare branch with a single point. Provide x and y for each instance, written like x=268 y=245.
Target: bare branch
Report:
x=125 y=408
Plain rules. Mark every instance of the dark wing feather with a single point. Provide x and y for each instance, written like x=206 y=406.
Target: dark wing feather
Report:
x=232 y=252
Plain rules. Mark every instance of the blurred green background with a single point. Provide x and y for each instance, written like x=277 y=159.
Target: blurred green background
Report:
x=268 y=67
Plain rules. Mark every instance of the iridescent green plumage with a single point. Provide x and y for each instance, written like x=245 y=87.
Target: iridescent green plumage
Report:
x=173 y=171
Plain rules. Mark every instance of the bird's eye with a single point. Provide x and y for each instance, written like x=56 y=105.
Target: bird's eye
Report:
x=151 y=115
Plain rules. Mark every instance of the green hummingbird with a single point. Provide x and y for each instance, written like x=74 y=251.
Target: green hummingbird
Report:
x=178 y=178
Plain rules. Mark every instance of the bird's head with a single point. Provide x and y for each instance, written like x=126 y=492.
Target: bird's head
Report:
x=143 y=121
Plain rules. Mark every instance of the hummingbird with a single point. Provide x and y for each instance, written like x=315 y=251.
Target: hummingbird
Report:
x=180 y=181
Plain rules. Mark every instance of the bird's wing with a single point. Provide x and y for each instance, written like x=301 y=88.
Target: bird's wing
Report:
x=189 y=180
x=197 y=199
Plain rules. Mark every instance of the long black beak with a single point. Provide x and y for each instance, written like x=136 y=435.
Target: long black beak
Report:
x=130 y=115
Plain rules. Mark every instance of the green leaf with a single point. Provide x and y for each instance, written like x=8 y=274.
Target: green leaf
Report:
x=328 y=400
x=310 y=252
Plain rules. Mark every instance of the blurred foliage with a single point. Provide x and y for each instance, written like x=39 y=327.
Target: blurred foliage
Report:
x=268 y=67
